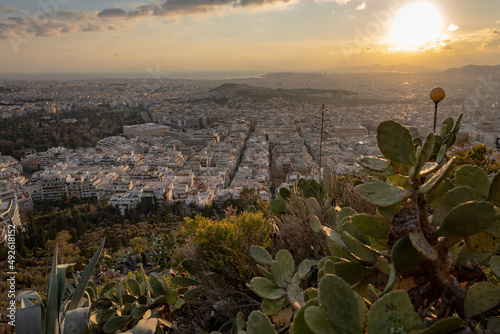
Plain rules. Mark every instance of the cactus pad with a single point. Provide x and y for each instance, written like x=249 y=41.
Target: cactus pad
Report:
x=404 y=255
x=372 y=226
x=425 y=153
x=304 y=268
x=482 y=242
x=475 y=178
x=299 y=325
x=442 y=153
x=382 y=194
x=494 y=193
x=450 y=200
x=428 y=168
x=359 y=249
x=313 y=206
x=481 y=297
x=258 y=323
x=495 y=264
x=315 y=224
x=422 y=246
x=494 y=324
x=374 y=163
x=435 y=195
x=295 y=296
x=277 y=273
x=351 y=272
x=443 y=326
x=287 y=265
x=339 y=305
x=266 y=288
x=394 y=303
x=271 y=307
x=468 y=219
x=343 y=214
x=395 y=142
x=285 y=193
x=333 y=236
x=316 y=321
x=278 y=206
x=261 y=255
x=434 y=180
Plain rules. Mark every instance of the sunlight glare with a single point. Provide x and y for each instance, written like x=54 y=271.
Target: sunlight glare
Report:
x=415 y=25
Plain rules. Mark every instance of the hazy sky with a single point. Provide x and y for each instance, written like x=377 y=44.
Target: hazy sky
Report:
x=244 y=35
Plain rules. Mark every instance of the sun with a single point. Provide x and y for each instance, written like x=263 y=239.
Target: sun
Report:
x=416 y=25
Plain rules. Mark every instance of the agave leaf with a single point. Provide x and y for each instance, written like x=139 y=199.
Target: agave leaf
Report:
x=145 y=326
x=28 y=320
x=87 y=273
x=75 y=321
x=53 y=304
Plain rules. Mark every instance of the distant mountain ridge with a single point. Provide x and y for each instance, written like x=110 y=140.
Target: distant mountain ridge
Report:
x=473 y=69
x=376 y=68
x=406 y=68
x=258 y=94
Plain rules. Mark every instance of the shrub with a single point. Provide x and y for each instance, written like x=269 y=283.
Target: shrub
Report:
x=222 y=246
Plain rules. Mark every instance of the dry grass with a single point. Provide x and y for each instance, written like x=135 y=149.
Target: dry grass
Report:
x=295 y=234
x=217 y=305
x=344 y=195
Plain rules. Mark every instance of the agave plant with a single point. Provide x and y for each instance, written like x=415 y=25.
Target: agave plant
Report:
x=57 y=315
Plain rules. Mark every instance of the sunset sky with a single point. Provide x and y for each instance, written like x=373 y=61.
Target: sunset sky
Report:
x=244 y=35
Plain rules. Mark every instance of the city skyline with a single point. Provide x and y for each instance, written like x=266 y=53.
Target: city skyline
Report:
x=244 y=36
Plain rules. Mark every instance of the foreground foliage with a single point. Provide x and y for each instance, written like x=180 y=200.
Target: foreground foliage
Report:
x=419 y=257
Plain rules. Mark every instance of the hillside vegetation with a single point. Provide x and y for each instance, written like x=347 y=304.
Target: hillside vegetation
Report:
x=407 y=246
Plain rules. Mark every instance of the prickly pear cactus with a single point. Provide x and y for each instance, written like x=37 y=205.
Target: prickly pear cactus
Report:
x=433 y=225
x=430 y=221
x=280 y=286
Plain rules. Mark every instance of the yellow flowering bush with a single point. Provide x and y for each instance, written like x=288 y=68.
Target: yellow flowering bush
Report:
x=223 y=245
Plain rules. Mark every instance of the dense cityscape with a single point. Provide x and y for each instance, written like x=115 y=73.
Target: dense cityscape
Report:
x=203 y=142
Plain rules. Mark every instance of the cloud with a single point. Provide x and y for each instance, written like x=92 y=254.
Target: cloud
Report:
x=491 y=40
x=9 y=9
x=361 y=6
x=58 y=22
x=30 y=27
x=169 y=8
x=452 y=27
x=113 y=13
x=67 y=15
x=93 y=27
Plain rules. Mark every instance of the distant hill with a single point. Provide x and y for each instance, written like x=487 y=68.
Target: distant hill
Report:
x=473 y=69
x=257 y=94
x=401 y=68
